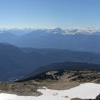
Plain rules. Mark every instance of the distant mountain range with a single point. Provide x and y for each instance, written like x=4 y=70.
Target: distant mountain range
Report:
x=53 y=38
x=17 y=62
x=25 y=51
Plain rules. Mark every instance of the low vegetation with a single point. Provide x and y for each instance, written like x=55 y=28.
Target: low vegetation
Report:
x=53 y=80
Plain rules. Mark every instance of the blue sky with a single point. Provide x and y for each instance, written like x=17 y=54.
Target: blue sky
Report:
x=49 y=13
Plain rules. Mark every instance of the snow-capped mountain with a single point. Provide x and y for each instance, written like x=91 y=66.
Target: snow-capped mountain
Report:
x=75 y=39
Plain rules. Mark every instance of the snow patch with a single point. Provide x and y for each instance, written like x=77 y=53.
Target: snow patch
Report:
x=83 y=91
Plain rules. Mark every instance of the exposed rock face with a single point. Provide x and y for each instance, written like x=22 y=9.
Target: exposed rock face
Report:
x=52 y=75
x=97 y=98
x=73 y=76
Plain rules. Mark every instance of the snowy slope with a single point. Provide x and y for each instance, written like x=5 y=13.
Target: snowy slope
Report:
x=83 y=91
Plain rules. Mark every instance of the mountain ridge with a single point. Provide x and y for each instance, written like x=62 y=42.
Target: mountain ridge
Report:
x=16 y=62
x=54 y=38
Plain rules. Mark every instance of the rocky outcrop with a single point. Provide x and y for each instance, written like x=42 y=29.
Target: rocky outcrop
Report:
x=97 y=98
